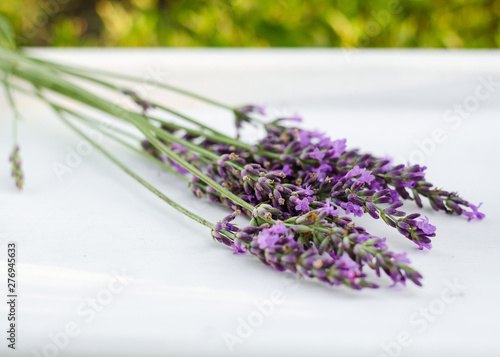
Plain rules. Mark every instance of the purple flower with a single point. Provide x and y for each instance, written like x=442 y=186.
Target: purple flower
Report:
x=409 y=184
x=304 y=138
x=353 y=208
x=260 y=109
x=295 y=117
x=389 y=165
x=267 y=239
x=394 y=196
x=237 y=247
x=16 y=168
x=249 y=109
x=286 y=170
x=381 y=244
x=306 y=190
x=180 y=148
x=346 y=263
x=302 y=205
x=422 y=245
x=278 y=228
x=329 y=209
x=363 y=237
x=179 y=168
x=366 y=175
x=318 y=155
x=339 y=147
x=402 y=258
x=326 y=143
x=322 y=170
x=475 y=213
x=425 y=226
x=355 y=171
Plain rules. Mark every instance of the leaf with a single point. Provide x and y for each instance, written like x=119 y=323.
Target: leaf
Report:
x=7 y=39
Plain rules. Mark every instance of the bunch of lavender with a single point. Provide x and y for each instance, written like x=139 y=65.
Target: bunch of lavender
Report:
x=309 y=184
x=299 y=189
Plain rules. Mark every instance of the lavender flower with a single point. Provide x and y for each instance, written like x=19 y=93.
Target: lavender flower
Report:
x=243 y=115
x=425 y=226
x=341 y=250
x=297 y=187
x=17 y=171
x=303 y=195
x=285 y=253
x=250 y=109
x=475 y=213
x=144 y=104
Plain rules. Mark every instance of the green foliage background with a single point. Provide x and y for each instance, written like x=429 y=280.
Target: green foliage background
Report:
x=259 y=23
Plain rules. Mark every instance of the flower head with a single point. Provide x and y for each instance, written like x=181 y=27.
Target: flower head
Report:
x=351 y=208
x=267 y=239
x=286 y=170
x=278 y=228
x=365 y=175
x=475 y=213
x=339 y=147
x=425 y=226
x=295 y=117
x=17 y=171
x=322 y=170
x=318 y=155
x=302 y=205
x=329 y=209
x=250 y=109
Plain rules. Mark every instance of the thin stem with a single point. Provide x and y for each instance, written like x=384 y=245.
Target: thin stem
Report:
x=183 y=163
x=217 y=137
x=222 y=140
x=96 y=124
x=75 y=73
x=119 y=140
x=70 y=90
x=188 y=119
x=143 y=182
x=165 y=135
x=13 y=106
x=134 y=79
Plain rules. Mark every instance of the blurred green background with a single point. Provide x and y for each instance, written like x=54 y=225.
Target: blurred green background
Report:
x=260 y=23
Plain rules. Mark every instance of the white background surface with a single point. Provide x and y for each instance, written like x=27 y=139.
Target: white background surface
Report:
x=187 y=291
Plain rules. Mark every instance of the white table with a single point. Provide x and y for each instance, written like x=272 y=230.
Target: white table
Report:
x=186 y=292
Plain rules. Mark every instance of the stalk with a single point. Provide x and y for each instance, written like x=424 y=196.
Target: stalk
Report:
x=68 y=89
x=215 y=136
x=83 y=70
x=136 y=177
x=12 y=104
x=119 y=140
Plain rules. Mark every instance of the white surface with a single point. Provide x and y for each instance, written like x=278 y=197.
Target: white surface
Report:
x=187 y=291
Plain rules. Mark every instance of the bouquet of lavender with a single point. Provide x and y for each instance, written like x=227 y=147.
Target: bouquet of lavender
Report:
x=299 y=189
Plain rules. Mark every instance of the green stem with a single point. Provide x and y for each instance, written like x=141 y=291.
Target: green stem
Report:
x=82 y=70
x=13 y=106
x=75 y=73
x=119 y=140
x=70 y=90
x=193 y=170
x=96 y=124
x=143 y=182
x=216 y=136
